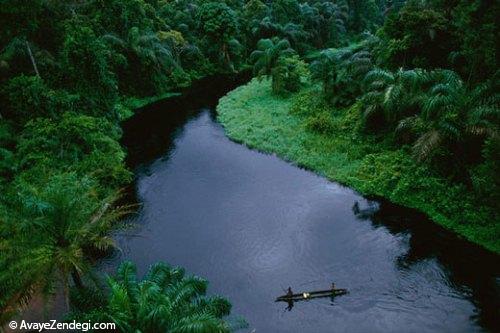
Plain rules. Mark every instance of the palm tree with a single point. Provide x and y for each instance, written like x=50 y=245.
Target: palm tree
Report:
x=164 y=301
x=295 y=34
x=339 y=72
x=326 y=69
x=434 y=110
x=143 y=55
x=150 y=50
x=53 y=236
x=264 y=28
x=325 y=21
x=391 y=97
x=268 y=52
x=178 y=45
x=452 y=114
x=230 y=49
x=333 y=18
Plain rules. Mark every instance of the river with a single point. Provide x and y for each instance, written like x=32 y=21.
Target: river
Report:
x=253 y=225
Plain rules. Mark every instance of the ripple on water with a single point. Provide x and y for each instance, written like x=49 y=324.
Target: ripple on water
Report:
x=254 y=225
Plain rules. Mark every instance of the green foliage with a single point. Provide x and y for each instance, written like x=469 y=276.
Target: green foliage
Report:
x=363 y=15
x=288 y=75
x=304 y=104
x=416 y=36
x=54 y=230
x=165 y=300
x=137 y=103
x=390 y=97
x=254 y=116
x=269 y=53
x=325 y=22
x=84 y=144
x=29 y=97
x=475 y=27
x=283 y=10
x=320 y=122
x=340 y=72
x=446 y=122
x=70 y=72
x=254 y=9
x=459 y=35
x=486 y=176
x=217 y=21
x=87 y=69
x=120 y=16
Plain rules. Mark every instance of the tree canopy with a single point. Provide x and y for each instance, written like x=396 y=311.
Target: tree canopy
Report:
x=422 y=75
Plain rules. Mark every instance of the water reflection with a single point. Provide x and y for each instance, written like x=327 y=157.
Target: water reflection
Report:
x=469 y=269
x=252 y=224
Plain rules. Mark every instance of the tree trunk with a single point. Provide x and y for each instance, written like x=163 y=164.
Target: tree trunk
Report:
x=66 y=295
x=77 y=279
x=225 y=53
x=33 y=62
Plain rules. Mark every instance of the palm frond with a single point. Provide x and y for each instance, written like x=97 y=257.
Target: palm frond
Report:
x=378 y=74
x=114 y=40
x=426 y=144
x=407 y=124
x=200 y=323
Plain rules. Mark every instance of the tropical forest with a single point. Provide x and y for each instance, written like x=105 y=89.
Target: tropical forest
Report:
x=199 y=166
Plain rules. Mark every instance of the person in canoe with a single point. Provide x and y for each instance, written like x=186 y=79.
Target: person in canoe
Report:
x=355 y=208
x=333 y=286
x=289 y=294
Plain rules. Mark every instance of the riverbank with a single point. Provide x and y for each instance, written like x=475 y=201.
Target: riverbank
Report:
x=330 y=144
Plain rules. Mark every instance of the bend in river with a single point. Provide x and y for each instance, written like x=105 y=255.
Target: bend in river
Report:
x=253 y=225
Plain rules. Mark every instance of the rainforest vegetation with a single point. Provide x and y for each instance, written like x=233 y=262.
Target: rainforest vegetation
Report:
x=407 y=91
x=407 y=111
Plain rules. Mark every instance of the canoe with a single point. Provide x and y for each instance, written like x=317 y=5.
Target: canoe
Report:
x=311 y=294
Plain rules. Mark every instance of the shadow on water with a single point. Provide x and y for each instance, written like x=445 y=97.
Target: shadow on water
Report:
x=469 y=268
x=151 y=131
x=253 y=224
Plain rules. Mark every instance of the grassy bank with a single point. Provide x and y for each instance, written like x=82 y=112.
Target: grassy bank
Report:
x=139 y=102
x=329 y=143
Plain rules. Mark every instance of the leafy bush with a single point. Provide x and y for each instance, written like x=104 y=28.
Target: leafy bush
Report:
x=82 y=143
x=340 y=72
x=417 y=36
x=28 y=97
x=320 y=122
x=305 y=103
x=289 y=75
x=486 y=176
x=87 y=63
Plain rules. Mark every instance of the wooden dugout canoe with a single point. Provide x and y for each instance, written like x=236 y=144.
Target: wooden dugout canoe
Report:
x=311 y=294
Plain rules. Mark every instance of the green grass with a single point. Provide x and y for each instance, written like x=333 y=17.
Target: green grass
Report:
x=139 y=102
x=329 y=143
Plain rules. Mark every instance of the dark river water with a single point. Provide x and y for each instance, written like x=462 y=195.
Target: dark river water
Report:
x=253 y=225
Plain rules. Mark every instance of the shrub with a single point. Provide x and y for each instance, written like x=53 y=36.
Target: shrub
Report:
x=28 y=97
x=82 y=143
x=307 y=103
x=288 y=75
x=321 y=123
